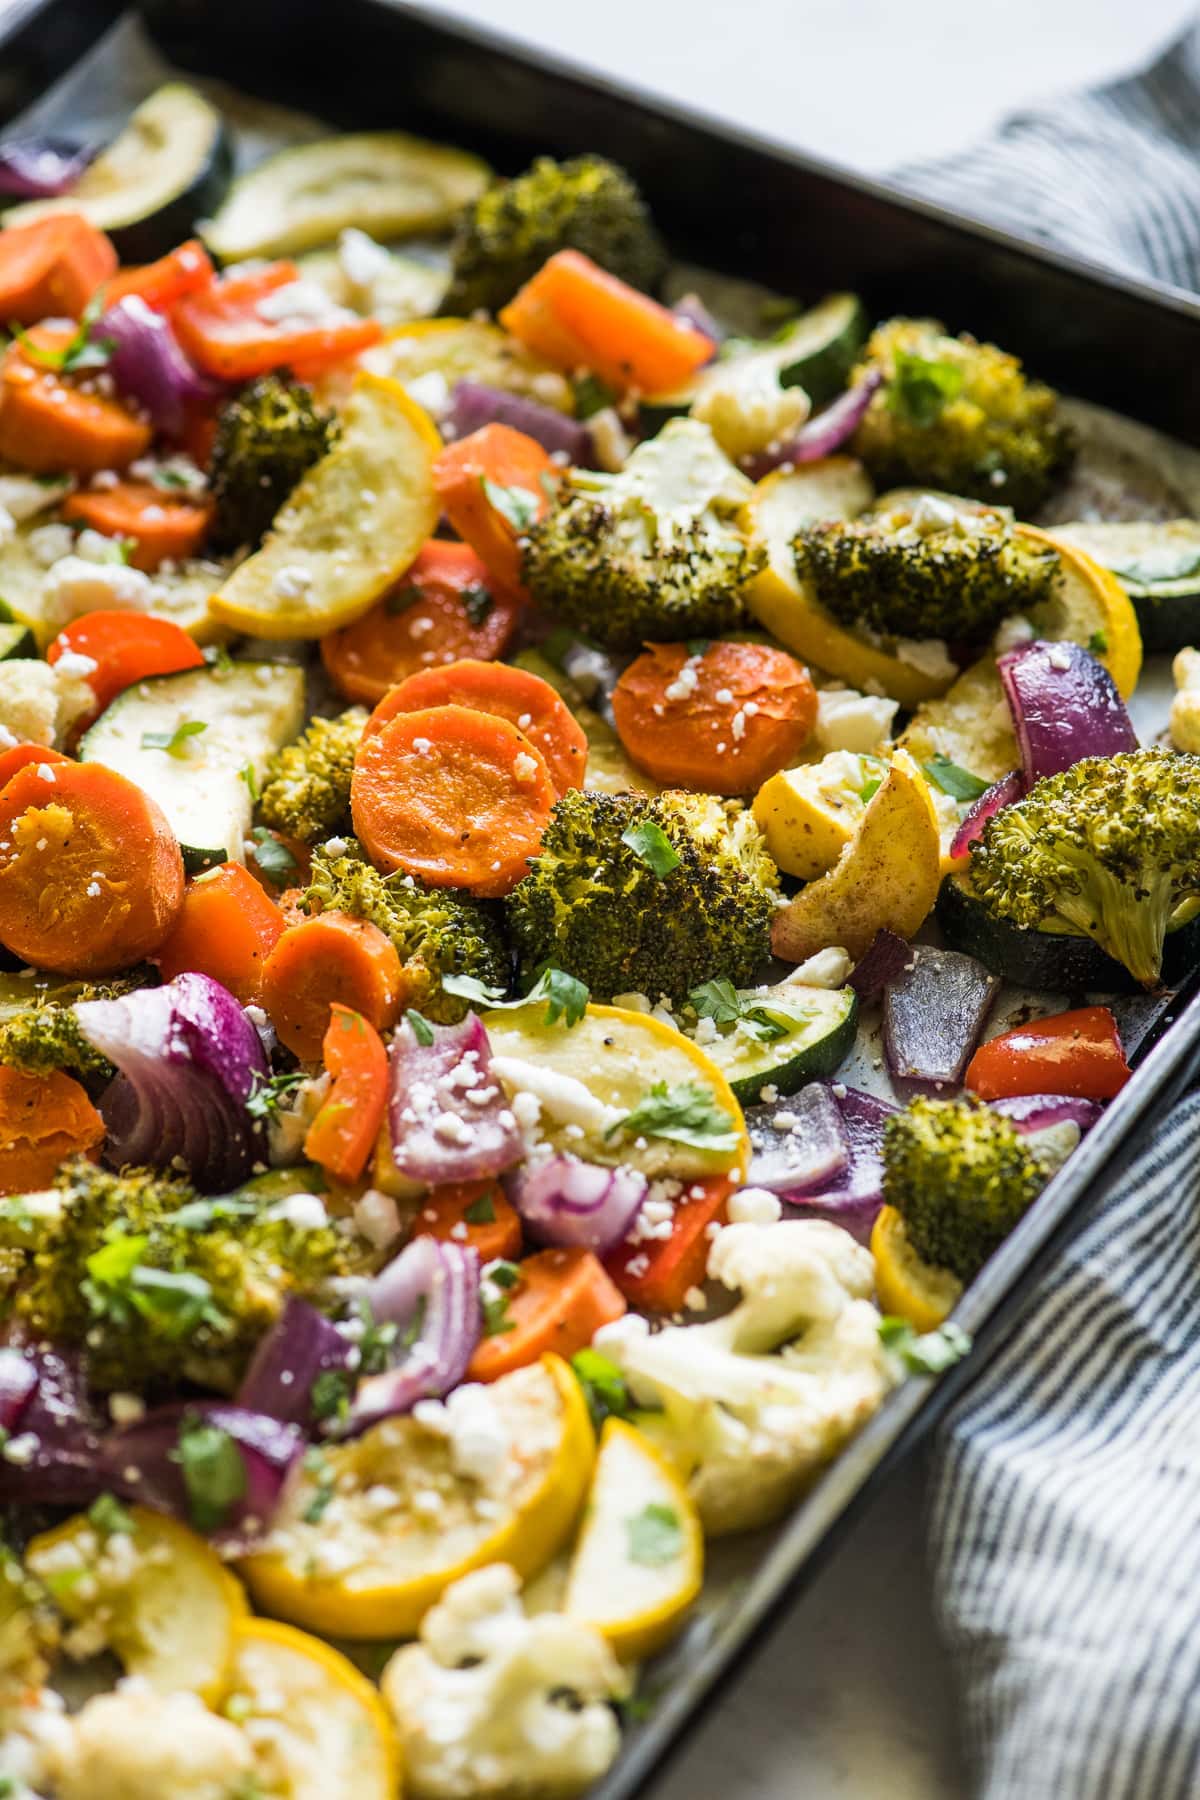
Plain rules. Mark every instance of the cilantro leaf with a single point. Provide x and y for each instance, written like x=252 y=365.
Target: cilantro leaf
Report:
x=651 y=845
x=927 y=1352
x=420 y=1027
x=1098 y=643
x=959 y=783
x=922 y=387
x=565 y=997
x=272 y=855
x=109 y=1517
x=469 y=987
x=214 y=1472
x=175 y=743
x=481 y=1211
x=717 y=1000
x=267 y=1097
x=591 y=395
x=604 y=1387
x=655 y=1535
x=517 y=505
x=401 y=598
x=683 y=1114
x=478 y=604
x=81 y=351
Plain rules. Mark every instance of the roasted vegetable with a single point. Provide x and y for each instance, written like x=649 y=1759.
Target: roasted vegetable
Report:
x=268 y=435
x=306 y=789
x=45 y=1035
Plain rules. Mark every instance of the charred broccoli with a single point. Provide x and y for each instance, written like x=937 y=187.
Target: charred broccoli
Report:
x=961 y=1176
x=306 y=788
x=956 y=414
x=161 y=1285
x=648 y=895
x=46 y=1035
x=1110 y=848
x=925 y=570
x=652 y=552
x=435 y=932
x=587 y=204
x=268 y=436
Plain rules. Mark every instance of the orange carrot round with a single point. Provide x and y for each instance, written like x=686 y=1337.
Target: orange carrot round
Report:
x=342 y=1136
x=330 y=959
x=493 y=485
x=227 y=928
x=457 y=797
x=525 y=700
x=43 y=1120
x=91 y=879
x=160 y=525
x=48 y=424
x=447 y=606
x=720 y=720
x=126 y=647
x=559 y=1302
x=21 y=755
x=476 y=1214
x=51 y=268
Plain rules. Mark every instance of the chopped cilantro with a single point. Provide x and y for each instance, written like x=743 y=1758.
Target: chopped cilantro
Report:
x=109 y=1517
x=214 y=1471
x=270 y=1095
x=420 y=1027
x=651 y=845
x=478 y=604
x=683 y=1114
x=926 y=1352
x=959 y=783
x=565 y=996
x=1098 y=643
x=922 y=387
x=604 y=1386
x=175 y=743
x=272 y=855
x=481 y=1211
x=515 y=504
x=655 y=1535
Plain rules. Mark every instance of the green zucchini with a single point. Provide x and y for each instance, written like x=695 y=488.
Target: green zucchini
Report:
x=819 y=1035
x=169 y=168
x=15 y=640
x=1158 y=565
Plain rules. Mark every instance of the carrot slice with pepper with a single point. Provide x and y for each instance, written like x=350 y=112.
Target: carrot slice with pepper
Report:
x=447 y=606
x=43 y=1120
x=575 y=313
x=125 y=647
x=185 y=270
x=162 y=526
x=235 y=330
x=720 y=718
x=493 y=485
x=476 y=1214
x=330 y=959
x=525 y=700
x=91 y=879
x=51 y=268
x=558 y=1301
x=657 y=1276
x=48 y=424
x=1077 y=1053
x=23 y=754
x=458 y=797
x=342 y=1136
x=227 y=928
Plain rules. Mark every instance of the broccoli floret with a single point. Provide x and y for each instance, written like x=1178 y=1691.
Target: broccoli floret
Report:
x=587 y=204
x=268 y=436
x=306 y=788
x=961 y=1176
x=1110 y=848
x=638 y=895
x=46 y=1034
x=953 y=413
x=160 y=1285
x=435 y=932
x=927 y=570
x=651 y=553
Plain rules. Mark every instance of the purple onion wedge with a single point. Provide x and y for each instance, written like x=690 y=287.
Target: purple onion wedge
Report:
x=59 y=1432
x=301 y=1346
x=148 y=366
x=820 y=436
x=449 y=1117
x=474 y=405
x=808 y=1149
x=148 y=1463
x=19 y=1378
x=430 y=1293
x=1064 y=706
x=1002 y=793
x=933 y=1013
x=36 y=168
x=855 y=1197
x=1040 y=1112
x=563 y=1201
x=882 y=962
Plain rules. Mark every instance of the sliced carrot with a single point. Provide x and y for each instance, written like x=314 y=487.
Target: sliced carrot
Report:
x=48 y=424
x=575 y=313
x=458 y=797
x=43 y=1120
x=559 y=1301
x=91 y=879
x=655 y=1276
x=227 y=928
x=493 y=485
x=447 y=606
x=185 y=270
x=125 y=647
x=52 y=268
x=525 y=700
x=227 y=333
x=342 y=1136
x=162 y=526
x=720 y=720
x=330 y=959
x=476 y=1214
x=22 y=754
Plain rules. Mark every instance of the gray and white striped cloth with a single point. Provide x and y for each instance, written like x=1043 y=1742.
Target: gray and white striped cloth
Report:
x=1065 y=1524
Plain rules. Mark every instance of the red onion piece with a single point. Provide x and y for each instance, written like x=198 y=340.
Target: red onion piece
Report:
x=855 y=1197
x=692 y=310
x=449 y=1119
x=885 y=957
x=41 y=168
x=474 y=404
x=820 y=436
x=66 y=1467
x=808 y=1151
x=933 y=1014
x=301 y=1345
x=564 y=1201
x=188 y=1060
x=1039 y=1112
x=19 y=1379
x=1064 y=706
x=141 y=1463
x=435 y=1287
x=148 y=365
x=1002 y=793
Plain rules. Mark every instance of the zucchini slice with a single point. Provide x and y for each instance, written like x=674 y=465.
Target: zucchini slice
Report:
x=816 y=1027
x=15 y=640
x=1158 y=565
x=169 y=168
x=385 y=183
x=187 y=740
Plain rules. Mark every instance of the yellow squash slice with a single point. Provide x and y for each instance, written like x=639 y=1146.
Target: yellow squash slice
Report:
x=907 y=1287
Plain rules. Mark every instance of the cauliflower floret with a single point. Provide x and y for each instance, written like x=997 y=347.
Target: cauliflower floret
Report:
x=34 y=1730
x=755 y=1402
x=1185 y=708
x=135 y=1744
x=746 y=407
x=493 y=1705
x=39 y=703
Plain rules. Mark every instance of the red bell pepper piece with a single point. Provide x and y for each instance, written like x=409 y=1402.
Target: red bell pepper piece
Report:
x=657 y=1273
x=1077 y=1053
x=227 y=334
